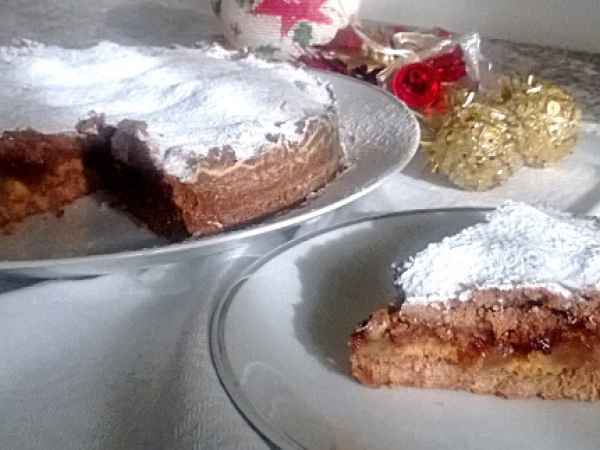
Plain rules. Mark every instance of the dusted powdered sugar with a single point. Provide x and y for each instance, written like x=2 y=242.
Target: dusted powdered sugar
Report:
x=182 y=102
x=518 y=246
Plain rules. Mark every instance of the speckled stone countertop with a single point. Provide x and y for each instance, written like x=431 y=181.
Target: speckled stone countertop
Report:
x=579 y=72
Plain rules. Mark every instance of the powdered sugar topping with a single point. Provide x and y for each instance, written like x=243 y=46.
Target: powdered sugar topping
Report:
x=187 y=101
x=518 y=246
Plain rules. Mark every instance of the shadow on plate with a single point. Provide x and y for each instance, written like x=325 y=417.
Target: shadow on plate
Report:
x=344 y=280
x=351 y=277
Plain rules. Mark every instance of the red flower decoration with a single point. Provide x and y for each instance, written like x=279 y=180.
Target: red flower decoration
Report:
x=418 y=85
x=450 y=67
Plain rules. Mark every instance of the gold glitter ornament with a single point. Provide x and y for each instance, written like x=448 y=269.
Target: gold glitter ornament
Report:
x=549 y=115
x=477 y=145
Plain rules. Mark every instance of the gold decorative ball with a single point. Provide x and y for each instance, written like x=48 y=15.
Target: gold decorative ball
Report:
x=549 y=115
x=477 y=147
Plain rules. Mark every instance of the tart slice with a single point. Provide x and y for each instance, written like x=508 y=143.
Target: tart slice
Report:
x=508 y=307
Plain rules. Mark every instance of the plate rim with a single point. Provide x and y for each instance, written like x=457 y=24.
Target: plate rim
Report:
x=217 y=349
x=250 y=230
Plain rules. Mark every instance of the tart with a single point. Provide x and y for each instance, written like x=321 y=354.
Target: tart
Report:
x=509 y=307
x=192 y=141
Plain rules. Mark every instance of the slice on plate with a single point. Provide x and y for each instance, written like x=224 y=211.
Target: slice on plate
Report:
x=508 y=307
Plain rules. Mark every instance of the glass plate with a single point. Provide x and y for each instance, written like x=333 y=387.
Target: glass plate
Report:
x=279 y=344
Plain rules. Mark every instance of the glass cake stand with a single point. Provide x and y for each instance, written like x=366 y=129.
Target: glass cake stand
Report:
x=380 y=135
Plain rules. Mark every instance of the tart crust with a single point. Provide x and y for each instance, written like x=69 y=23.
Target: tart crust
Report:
x=43 y=173
x=228 y=193
x=516 y=343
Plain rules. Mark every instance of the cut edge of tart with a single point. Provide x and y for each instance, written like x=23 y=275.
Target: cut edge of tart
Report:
x=41 y=173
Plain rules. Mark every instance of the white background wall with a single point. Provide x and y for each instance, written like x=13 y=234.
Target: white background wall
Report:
x=565 y=23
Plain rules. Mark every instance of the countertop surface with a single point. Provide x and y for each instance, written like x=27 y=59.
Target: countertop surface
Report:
x=577 y=71
x=122 y=362
x=68 y=23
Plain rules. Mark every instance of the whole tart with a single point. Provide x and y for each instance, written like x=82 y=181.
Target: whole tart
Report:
x=193 y=141
x=508 y=307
